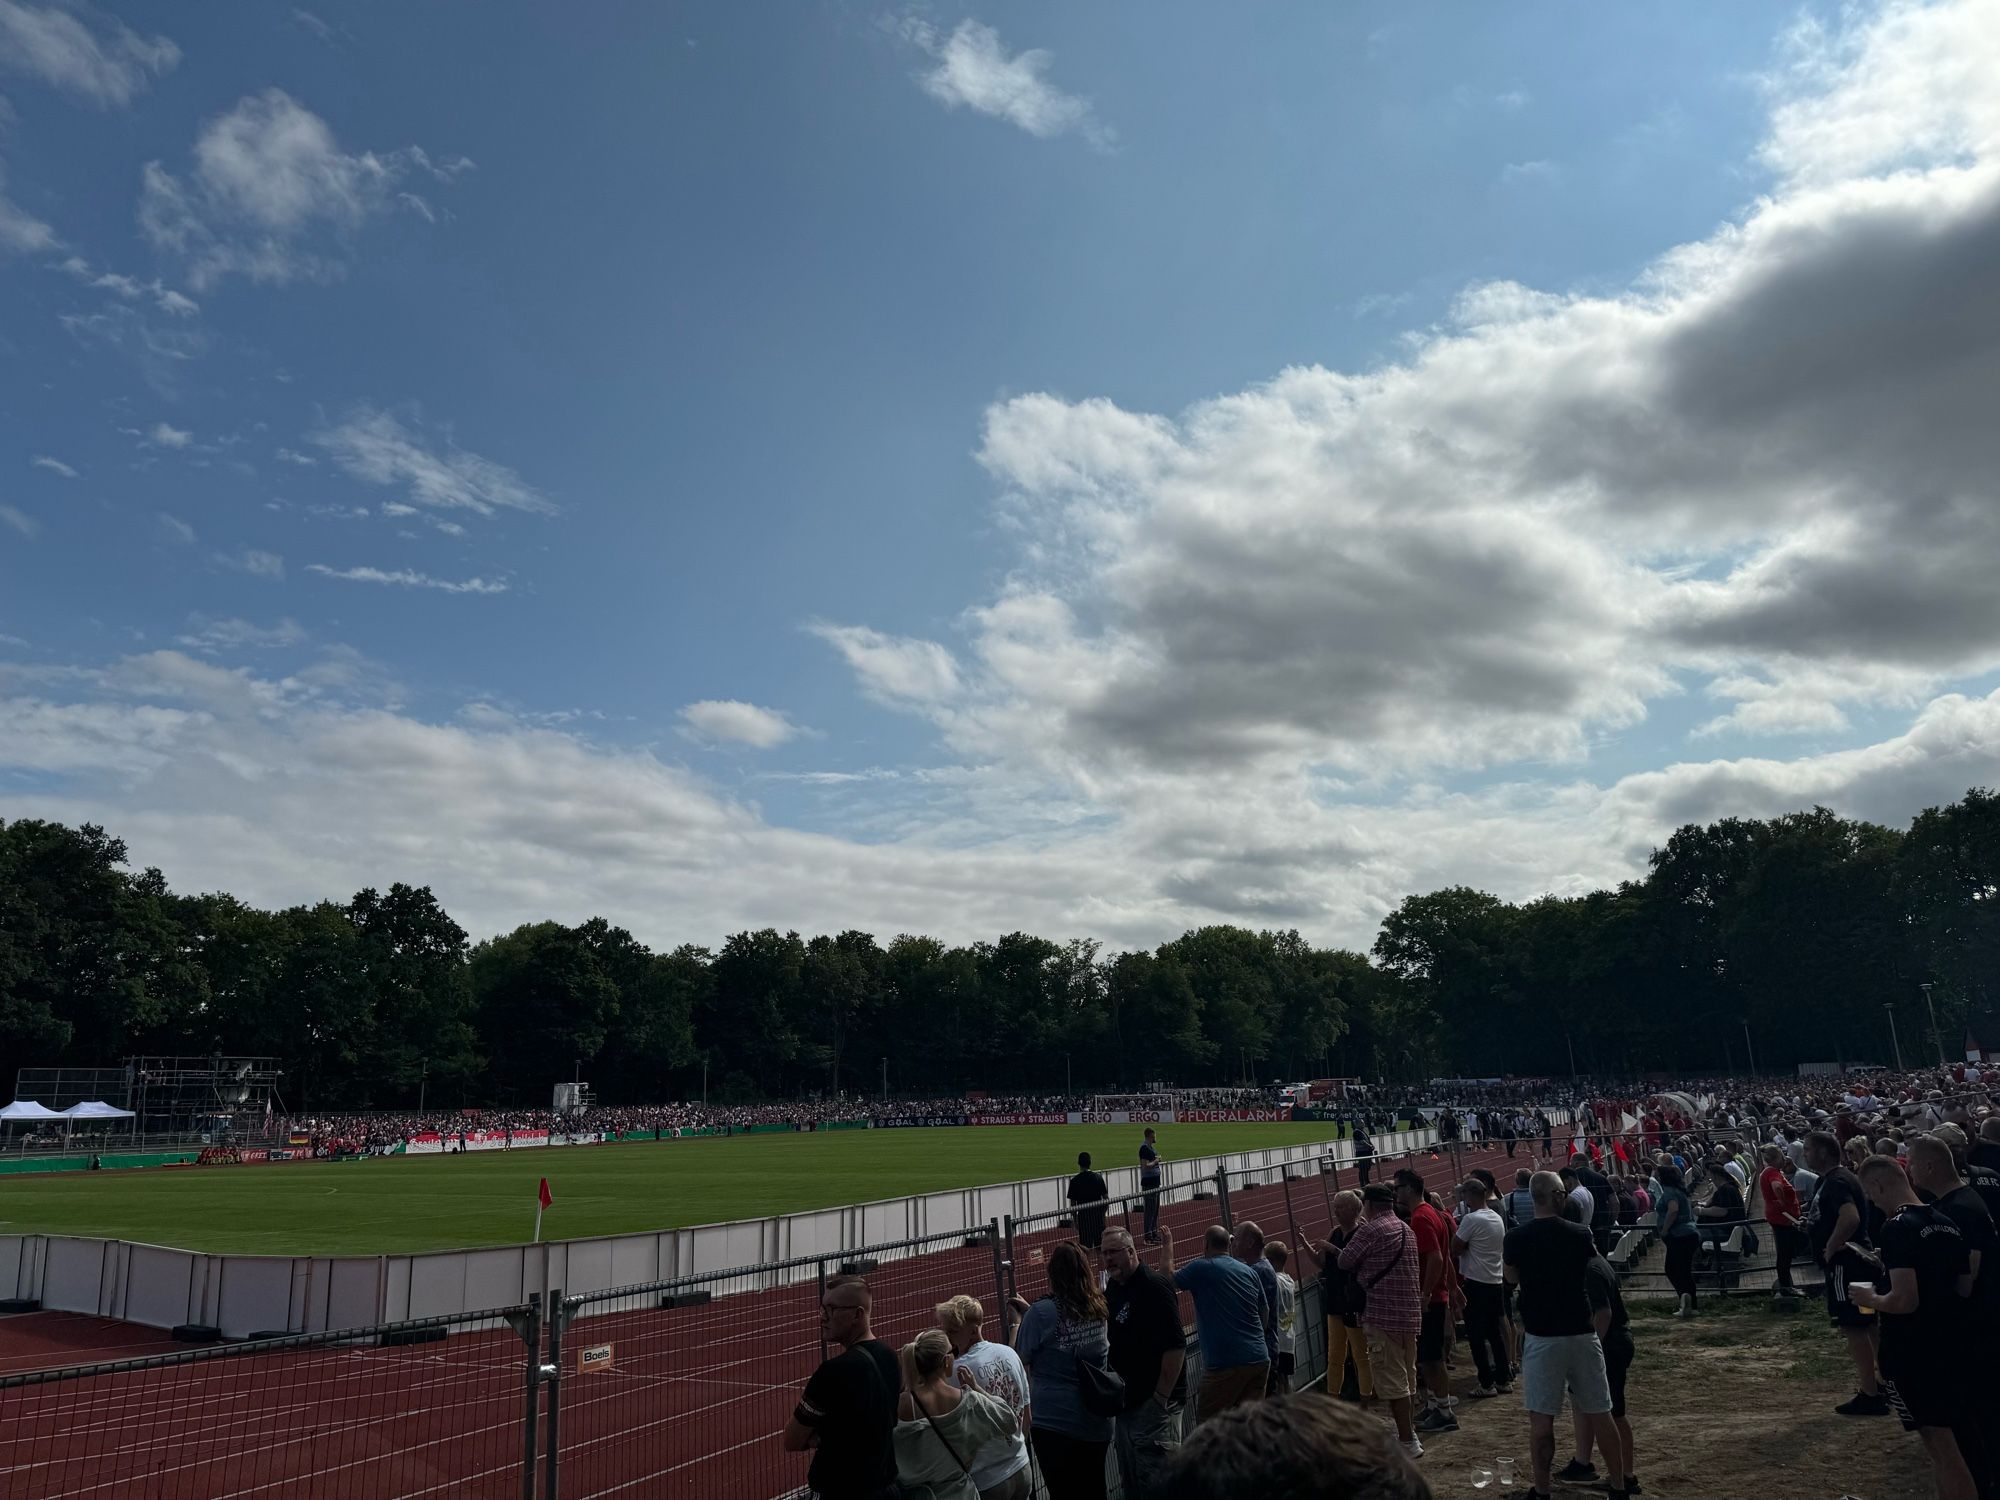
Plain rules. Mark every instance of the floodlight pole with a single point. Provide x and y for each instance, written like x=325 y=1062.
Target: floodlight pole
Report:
x=1894 y=1040
x=1936 y=1035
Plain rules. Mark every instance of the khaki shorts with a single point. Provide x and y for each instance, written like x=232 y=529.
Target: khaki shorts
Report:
x=1392 y=1359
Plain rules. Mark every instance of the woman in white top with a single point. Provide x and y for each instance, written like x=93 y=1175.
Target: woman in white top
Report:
x=939 y=1426
x=1000 y=1469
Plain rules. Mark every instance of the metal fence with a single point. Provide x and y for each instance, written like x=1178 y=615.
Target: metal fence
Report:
x=679 y=1388
x=671 y=1387
x=435 y=1407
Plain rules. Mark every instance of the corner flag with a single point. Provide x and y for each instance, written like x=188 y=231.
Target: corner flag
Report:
x=543 y=1198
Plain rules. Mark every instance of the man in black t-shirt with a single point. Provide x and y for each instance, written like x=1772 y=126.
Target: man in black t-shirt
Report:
x=847 y=1416
x=1924 y=1355
x=1614 y=1332
x=1088 y=1187
x=1604 y=1202
x=1549 y=1260
x=1934 y=1174
x=1149 y=1350
x=1835 y=1220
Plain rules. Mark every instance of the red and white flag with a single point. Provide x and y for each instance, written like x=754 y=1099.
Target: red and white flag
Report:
x=543 y=1198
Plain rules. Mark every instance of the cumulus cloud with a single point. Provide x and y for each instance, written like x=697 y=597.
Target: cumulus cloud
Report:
x=175 y=529
x=730 y=721
x=165 y=436
x=73 y=48
x=1300 y=649
x=271 y=196
x=53 y=465
x=289 y=788
x=894 y=669
x=972 y=68
x=376 y=447
x=408 y=579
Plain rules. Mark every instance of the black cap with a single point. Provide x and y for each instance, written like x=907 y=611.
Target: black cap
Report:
x=1378 y=1192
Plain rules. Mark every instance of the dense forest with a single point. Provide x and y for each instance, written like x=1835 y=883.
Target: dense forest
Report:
x=1787 y=936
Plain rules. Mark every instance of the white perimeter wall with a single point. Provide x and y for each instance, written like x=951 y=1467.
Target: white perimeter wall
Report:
x=160 y=1286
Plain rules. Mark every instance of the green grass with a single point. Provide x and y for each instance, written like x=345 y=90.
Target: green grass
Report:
x=398 y=1204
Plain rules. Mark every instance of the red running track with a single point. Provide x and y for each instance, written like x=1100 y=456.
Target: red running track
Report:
x=690 y=1406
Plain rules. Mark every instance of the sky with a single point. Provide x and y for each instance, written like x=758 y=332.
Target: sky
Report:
x=1090 y=470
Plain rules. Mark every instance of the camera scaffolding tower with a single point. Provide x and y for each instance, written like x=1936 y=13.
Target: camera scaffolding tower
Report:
x=216 y=1096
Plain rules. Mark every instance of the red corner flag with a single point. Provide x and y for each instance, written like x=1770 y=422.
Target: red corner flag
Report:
x=543 y=1198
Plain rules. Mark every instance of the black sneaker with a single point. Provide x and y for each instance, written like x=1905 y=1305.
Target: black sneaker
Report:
x=1577 y=1473
x=1864 y=1406
x=1632 y=1485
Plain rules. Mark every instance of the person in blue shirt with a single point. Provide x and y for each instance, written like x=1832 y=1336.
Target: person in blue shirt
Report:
x=1229 y=1322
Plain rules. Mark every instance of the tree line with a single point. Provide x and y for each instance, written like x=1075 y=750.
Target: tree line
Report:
x=1783 y=937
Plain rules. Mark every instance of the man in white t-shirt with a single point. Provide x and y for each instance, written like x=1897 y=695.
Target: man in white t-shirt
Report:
x=1581 y=1205
x=998 y=1371
x=1479 y=1245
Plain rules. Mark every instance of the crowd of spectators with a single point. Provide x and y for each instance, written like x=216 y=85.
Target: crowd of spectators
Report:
x=1889 y=1187
x=381 y=1130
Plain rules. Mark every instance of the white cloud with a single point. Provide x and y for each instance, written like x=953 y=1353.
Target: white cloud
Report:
x=737 y=723
x=405 y=578
x=312 y=23
x=303 y=460
x=169 y=437
x=21 y=521
x=1381 y=304
x=176 y=529
x=21 y=233
x=1513 y=101
x=1521 y=173
x=271 y=195
x=130 y=288
x=256 y=563
x=1235 y=641
x=204 y=634
x=374 y=446
x=53 y=465
x=72 y=47
x=289 y=789
x=894 y=669
x=973 y=69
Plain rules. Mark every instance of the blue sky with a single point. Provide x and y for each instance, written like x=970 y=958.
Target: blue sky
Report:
x=1084 y=468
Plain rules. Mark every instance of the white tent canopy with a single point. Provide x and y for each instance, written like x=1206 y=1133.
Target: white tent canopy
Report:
x=97 y=1109
x=28 y=1109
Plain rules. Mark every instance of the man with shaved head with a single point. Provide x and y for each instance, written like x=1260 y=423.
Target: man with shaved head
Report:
x=847 y=1416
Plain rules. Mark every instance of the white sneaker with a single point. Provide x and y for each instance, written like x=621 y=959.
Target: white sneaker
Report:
x=1414 y=1448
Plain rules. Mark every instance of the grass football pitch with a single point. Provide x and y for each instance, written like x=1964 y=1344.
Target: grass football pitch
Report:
x=398 y=1204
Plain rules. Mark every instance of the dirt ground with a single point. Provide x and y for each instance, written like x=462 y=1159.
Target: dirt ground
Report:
x=1735 y=1405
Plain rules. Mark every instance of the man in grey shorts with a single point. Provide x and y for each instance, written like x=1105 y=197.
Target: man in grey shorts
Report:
x=1549 y=1260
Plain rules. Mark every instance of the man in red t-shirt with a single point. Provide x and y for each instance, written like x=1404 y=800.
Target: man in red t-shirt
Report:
x=1781 y=1208
x=1434 y=1270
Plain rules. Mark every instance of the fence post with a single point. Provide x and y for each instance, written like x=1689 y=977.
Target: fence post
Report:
x=1007 y=1235
x=820 y=1267
x=999 y=1273
x=553 y=1377
x=530 y=1330
x=1222 y=1195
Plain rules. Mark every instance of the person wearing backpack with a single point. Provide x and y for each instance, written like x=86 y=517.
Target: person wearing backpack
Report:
x=1064 y=1340
x=939 y=1427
